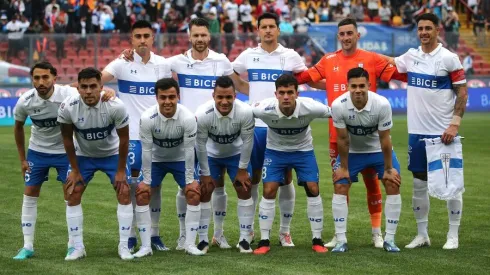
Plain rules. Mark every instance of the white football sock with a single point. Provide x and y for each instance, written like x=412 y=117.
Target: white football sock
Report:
x=393 y=208
x=70 y=240
x=74 y=220
x=267 y=211
x=219 y=200
x=340 y=211
x=132 y=193
x=156 y=210
x=315 y=215
x=192 y=217
x=143 y=219
x=181 y=204
x=204 y=221
x=455 y=211
x=287 y=198
x=255 y=199
x=28 y=219
x=245 y=218
x=125 y=220
x=421 y=206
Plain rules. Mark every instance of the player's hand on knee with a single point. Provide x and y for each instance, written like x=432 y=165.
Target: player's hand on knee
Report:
x=194 y=188
x=449 y=134
x=74 y=178
x=392 y=176
x=127 y=55
x=243 y=179
x=120 y=183
x=341 y=173
x=143 y=188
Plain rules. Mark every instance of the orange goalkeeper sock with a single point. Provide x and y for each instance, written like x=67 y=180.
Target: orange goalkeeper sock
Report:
x=374 y=197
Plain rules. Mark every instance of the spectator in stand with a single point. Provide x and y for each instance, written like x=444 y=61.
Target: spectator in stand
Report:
x=198 y=13
x=468 y=64
x=173 y=19
x=287 y=31
x=60 y=30
x=82 y=30
x=373 y=9
x=451 y=29
x=357 y=11
x=50 y=18
x=231 y=11
x=14 y=29
x=228 y=31
x=338 y=14
x=385 y=14
x=28 y=10
x=397 y=20
x=24 y=25
x=246 y=17
x=166 y=5
x=332 y=4
x=311 y=12
x=323 y=12
x=406 y=12
x=347 y=7
x=301 y=26
x=17 y=6
x=3 y=23
x=479 y=22
x=214 y=29
x=295 y=11
x=138 y=5
x=143 y=16
x=180 y=6
x=120 y=18
x=49 y=7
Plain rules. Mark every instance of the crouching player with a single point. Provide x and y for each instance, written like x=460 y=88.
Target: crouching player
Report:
x=363 y=122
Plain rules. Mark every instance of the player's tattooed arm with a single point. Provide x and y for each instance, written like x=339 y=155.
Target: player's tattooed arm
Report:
x=461 y=91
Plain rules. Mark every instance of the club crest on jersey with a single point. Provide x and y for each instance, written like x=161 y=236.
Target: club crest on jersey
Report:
x=104 y=117
x=180 y=130
x=236 y=125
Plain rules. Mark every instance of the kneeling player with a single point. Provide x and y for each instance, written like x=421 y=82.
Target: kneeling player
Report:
x=363 y=122
x=168 y=135
x=99 y=148
x=229 y=125
x=289 y=145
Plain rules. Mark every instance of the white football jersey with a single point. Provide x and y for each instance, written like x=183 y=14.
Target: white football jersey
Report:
x=264 y=68
x=136 y=85
x=168 y=139
x=293 y=133
x=362 y=125
x=430 y=97
x=221 y=136
x=95 y=127
x=45 y=130
x=197 y=78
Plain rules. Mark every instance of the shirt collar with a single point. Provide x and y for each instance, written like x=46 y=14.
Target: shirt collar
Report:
x=280 y=49
x=434 y=52
x=139 y=59
x=230 y=115
x=295 y=113
x=174 y=117
x=369 y=103
x=211 y=55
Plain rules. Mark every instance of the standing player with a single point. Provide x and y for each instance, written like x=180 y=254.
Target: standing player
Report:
x=264 y=65
x=225 y=141
x=290 y=145
x=363 y=122
x=102 y=138
x=333 y=68
x=45 y=144
x=168 y=134
x=136 y=82
x=437 y=96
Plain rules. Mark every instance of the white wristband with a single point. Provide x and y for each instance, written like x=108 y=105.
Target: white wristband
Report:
x=455 y=121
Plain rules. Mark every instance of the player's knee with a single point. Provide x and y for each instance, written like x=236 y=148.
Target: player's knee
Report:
x=192 y=198
x=124 y=198
x=341 y=189
x=75 y=198
x=32 y=191
x=241 y=192
x=143 y=199
x=420 y=175
x=270 y=191
x=391 y=188
x=312 y=189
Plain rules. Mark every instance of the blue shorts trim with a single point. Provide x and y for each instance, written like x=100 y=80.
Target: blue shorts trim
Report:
x=277 y=162
x=134 y=155
x=160 y=169
x=361 y=161
x=258 y=151
x=39 y=163
x=417 y=156
x=216 y=166
x=108 y=165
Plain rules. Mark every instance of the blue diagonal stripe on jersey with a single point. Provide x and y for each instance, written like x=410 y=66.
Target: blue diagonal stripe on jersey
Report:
x=453 y=163
x=196 y=81
x=265 y=75
x=429 y=81
x=136 y=88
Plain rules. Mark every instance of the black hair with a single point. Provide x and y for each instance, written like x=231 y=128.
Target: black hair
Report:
x=46 y=66
x=429 y=16
x=357 y=73
x=286 y=80
x=224 y=82
x=165 y=84
x=141 y=24
x=88 y=73
x=268 y=15
x=200 y=22
x=347 y=21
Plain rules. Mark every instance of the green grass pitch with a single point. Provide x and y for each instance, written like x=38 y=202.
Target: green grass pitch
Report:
x=101 y=234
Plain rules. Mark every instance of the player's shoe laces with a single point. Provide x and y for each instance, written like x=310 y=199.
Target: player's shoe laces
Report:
x=192 y=250
x=286 y=240
x=203 y=246
x=124 y=253
x=390 y=246
x=75 y=254
x=132 y=242
x=143 y=252
x=221 y=242
x=24 y=254
x=451 y=243
x=332 y=243
x=340 y=248
x=181 y=243
x=157 y=244
x=318 y=246
x=419 y=241
x=244 y=246
x=263 y=247
x=377 y=240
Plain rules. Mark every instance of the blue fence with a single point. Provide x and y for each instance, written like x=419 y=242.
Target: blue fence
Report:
x=479 y=101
